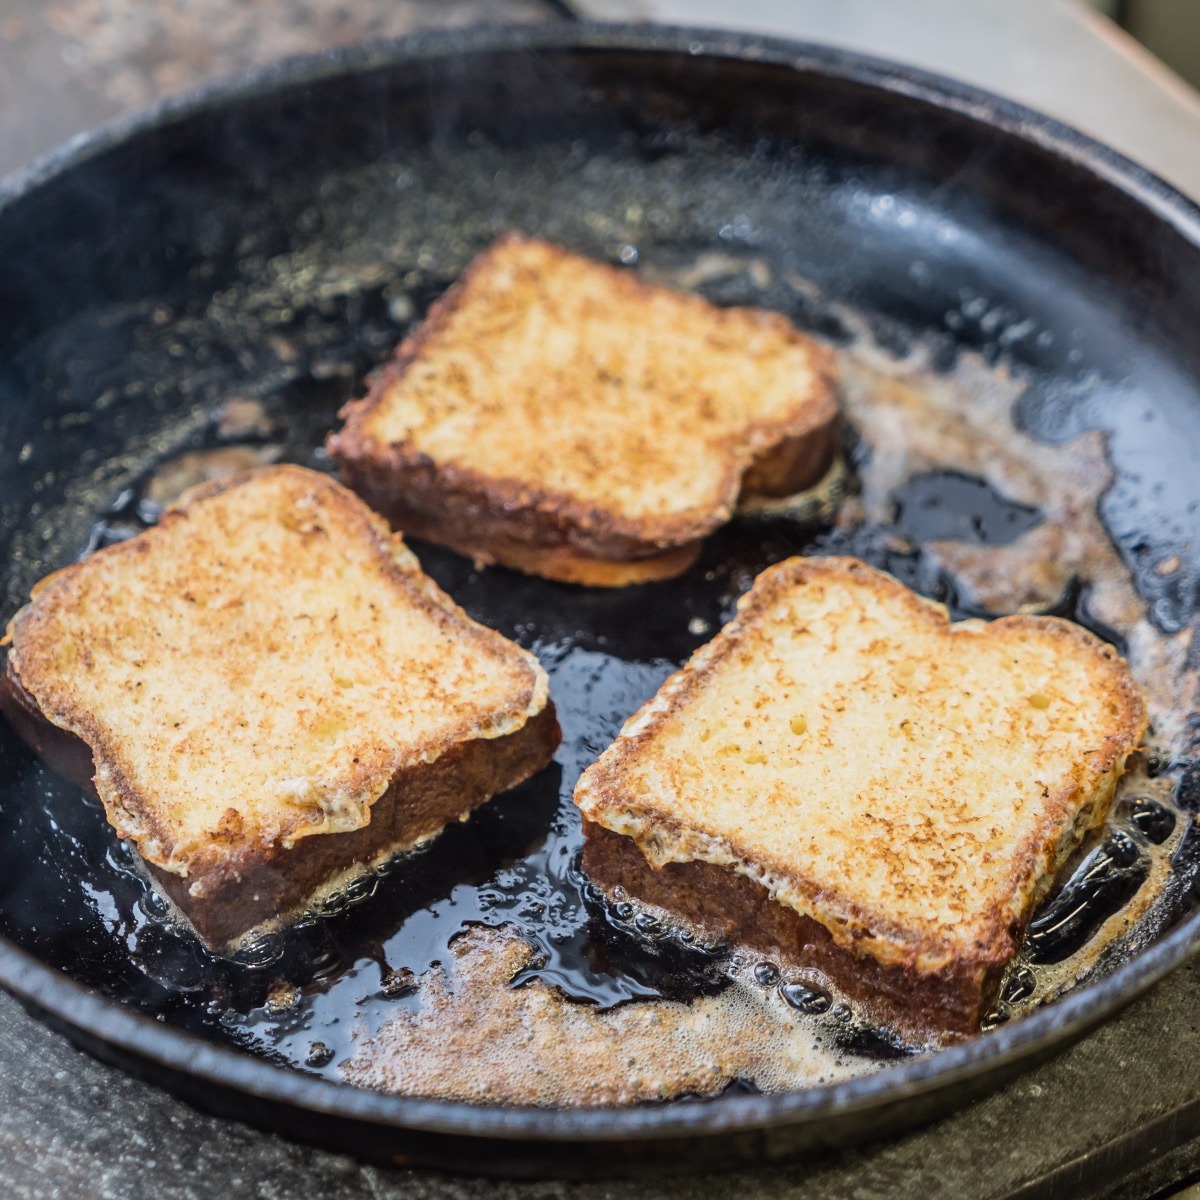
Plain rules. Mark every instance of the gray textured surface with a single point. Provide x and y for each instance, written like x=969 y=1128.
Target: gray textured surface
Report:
x=1076 y=1126
x=68 y=65
x=1117 y=1115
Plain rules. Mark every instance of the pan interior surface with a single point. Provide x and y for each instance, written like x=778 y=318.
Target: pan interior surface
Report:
x=215 y=287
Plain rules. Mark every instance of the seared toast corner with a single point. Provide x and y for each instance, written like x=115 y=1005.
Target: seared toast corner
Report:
x=267 y=693
x=571 y=420
x=846 y=779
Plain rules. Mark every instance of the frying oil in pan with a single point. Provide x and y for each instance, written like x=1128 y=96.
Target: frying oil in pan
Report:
x=485 y=966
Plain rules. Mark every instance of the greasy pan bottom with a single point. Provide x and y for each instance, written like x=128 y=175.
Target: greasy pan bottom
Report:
x=273 y=239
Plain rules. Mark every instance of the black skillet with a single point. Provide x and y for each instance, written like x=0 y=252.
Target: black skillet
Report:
x=273 y=237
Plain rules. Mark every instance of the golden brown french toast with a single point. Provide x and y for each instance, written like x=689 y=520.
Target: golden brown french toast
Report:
x=571 y=420
x=266 y=692
x=845 y=778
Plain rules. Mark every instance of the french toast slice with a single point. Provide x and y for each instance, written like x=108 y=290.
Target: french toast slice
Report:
x=846 y=779
x=268 y=695
x=571 y=420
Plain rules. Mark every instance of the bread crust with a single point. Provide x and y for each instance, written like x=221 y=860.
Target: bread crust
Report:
x=264 y=858
x=230 y=898
x=608 y=796
x=561 y=562
x=552 y=533
x=727 y=908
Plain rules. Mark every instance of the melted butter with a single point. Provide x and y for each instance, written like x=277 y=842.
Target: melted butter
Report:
x=915 y=421
x=472 y=1036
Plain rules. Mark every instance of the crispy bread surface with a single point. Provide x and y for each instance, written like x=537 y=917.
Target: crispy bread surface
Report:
x=550 y=402
x=265 y=665
x=260 y=886
x=909 y=784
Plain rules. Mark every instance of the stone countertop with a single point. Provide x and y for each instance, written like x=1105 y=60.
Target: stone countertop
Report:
x=68 y=65
x=1117 y=1115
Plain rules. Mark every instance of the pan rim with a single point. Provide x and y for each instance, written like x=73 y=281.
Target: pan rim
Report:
x=95 y=1019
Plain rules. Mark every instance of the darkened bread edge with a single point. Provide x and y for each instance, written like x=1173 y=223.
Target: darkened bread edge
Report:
x=487 y=516
x=227 y=868
x=260 y=884
x=561 y=562
x=1068 y=815
x=725 y=907
x=126 y=807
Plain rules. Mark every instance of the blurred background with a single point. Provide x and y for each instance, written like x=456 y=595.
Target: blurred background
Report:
x=1117 y=68
x=1169 y=28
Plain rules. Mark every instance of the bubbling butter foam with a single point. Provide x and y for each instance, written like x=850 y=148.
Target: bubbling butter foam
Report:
x=470 y=1036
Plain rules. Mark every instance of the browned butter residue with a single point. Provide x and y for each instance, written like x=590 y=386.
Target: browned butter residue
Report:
x=915 y=421
x=472 y=1037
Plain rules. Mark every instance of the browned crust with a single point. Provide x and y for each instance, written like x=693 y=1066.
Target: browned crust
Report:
x=419 y=591
x=799 y=462
x=486 y=517
x=1037 y=857
x=257 y=884
x=562 y=563
x=723 y=906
